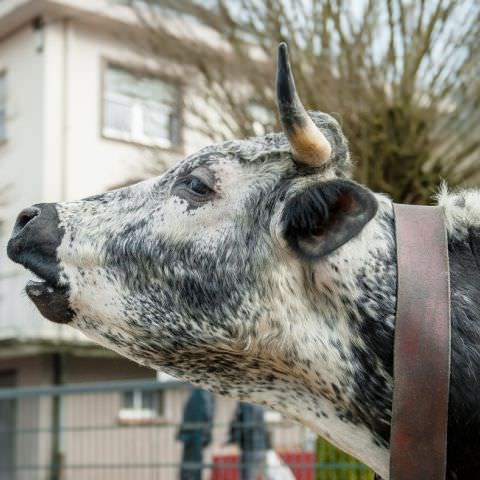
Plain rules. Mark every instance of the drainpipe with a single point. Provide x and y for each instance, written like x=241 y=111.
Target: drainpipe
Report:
x=58 y=450
x=64 y=137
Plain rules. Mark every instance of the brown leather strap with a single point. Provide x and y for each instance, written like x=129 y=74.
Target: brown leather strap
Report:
x=418 y=442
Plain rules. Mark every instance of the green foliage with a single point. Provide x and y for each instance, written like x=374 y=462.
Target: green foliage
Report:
x=332 y=464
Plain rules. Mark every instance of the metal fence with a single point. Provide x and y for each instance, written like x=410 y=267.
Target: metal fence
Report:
x=128 y=430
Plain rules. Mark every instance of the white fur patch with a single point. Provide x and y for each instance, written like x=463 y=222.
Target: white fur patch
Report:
x=462 y=210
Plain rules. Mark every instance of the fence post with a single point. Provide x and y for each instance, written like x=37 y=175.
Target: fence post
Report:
x=57 y=459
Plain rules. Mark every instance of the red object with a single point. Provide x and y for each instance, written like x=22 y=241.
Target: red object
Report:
x=301 y=463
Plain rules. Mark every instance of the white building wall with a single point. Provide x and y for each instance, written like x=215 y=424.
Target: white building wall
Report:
x=20 y=155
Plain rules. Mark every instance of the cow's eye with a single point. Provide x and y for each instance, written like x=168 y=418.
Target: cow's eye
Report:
x=194 y=186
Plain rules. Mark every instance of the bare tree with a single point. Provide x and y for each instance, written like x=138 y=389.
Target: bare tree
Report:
x=400 y=75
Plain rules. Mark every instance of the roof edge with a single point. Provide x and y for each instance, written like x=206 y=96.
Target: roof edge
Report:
x=19 y=13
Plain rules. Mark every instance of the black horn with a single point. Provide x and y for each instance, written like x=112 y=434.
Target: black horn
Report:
x=308 y=143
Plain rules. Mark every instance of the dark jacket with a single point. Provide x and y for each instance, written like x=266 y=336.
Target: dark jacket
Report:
x=248 y=428
x=197 y=421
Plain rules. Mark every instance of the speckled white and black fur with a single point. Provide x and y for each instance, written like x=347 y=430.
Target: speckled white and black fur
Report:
x=213 y=294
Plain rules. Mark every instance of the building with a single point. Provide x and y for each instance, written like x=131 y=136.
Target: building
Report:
x=80 y=110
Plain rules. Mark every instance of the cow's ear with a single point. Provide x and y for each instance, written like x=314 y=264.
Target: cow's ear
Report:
x=322 y=217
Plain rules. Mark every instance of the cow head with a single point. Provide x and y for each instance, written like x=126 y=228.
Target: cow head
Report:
x=255 y=268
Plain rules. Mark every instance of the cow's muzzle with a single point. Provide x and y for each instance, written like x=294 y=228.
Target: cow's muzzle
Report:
x=34 y=242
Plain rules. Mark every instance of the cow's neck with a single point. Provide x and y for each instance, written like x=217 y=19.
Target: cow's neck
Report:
x=340 y=356
x=354 y=348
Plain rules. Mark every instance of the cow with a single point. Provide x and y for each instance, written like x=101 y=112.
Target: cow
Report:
x=260 y=270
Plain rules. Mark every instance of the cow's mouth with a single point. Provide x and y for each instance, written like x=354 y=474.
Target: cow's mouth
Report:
x=49 y=297
x=51 y=300
x=33 y=244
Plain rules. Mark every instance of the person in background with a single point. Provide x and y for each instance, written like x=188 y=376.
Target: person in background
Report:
x=249 y=432
x=195 y=433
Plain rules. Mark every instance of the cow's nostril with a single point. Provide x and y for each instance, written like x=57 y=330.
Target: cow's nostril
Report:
x=24 y=218
x=35 y=239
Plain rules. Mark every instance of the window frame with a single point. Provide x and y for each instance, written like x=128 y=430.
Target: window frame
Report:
x=138 y=413
x=143 y=141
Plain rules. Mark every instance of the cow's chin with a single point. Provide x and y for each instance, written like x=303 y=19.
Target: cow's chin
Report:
x=51 y=301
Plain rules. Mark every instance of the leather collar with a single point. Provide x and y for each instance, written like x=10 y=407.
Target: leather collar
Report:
x=418 y=441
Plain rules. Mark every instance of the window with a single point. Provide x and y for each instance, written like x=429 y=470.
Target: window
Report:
x=141 y=109
x=142 y=405
x=3 y=106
